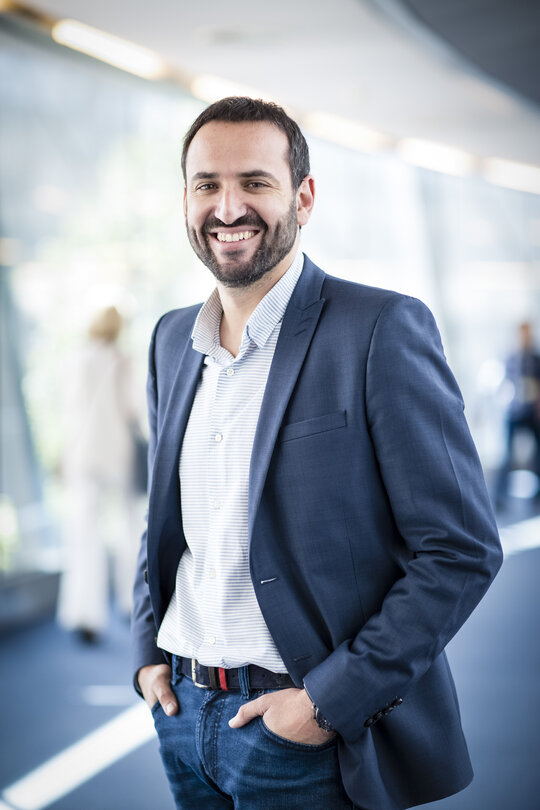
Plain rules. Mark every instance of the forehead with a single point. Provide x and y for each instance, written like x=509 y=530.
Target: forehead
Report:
x=222 y=146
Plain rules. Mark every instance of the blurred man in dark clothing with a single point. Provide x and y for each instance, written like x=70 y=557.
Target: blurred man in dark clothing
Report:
x=523 y=373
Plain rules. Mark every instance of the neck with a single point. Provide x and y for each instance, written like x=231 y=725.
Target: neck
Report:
x=240 y=302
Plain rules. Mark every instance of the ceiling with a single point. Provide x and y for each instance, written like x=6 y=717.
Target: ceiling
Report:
x=502 y=38
x=464 y=73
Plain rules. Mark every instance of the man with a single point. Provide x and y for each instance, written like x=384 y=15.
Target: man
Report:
x=318 y=523
x=523 y=378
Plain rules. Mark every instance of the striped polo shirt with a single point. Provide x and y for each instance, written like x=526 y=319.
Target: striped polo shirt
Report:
x=214 y=615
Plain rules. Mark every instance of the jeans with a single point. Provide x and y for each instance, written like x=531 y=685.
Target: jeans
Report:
x=211 y=766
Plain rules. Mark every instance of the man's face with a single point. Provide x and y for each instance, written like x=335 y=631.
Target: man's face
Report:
x=241 y=213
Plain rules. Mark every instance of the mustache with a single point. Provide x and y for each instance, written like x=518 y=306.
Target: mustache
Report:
x=249 y=220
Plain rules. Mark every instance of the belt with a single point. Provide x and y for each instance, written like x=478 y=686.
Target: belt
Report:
x=229 y=679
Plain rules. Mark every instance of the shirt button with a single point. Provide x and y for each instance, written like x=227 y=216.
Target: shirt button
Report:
x=218 y=437
x=216 y=504
x=230 y=372
x=212 y=573
x=212 y=639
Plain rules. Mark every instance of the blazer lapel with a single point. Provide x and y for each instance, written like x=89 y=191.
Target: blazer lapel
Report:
x=299 y=323
x=165 y=534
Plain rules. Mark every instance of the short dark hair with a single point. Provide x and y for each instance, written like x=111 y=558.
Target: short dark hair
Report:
x=237 y=109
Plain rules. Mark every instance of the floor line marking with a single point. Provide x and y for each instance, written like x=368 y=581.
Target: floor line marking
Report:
x=108 y=695
x=81 y=761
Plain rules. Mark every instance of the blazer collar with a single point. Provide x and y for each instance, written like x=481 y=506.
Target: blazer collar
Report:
x=299 y=323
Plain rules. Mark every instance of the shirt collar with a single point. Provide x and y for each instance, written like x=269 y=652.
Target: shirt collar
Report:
x=262 y=322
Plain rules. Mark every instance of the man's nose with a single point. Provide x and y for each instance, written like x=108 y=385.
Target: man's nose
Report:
x=230 y=206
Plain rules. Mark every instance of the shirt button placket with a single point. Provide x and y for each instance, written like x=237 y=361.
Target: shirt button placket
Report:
x=214 y=478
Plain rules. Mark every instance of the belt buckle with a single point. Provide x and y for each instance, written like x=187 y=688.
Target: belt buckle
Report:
x=194 y=675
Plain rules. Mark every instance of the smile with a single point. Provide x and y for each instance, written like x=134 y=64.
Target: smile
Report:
x=234 y=237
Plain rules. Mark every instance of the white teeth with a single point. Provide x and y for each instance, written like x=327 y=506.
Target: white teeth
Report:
x=234 y=237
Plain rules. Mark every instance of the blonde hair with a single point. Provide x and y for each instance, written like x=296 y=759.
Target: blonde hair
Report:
x=106 y=325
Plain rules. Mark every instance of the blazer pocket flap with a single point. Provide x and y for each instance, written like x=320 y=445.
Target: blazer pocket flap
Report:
x=310 y=427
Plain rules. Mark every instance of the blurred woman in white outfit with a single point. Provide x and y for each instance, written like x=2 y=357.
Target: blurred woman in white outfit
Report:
x=102 y=415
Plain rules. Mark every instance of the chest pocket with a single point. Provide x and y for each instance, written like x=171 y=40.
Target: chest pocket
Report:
x=310 y=427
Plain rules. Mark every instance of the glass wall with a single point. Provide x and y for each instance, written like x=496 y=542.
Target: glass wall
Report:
x=469 y=249
x=90 y=214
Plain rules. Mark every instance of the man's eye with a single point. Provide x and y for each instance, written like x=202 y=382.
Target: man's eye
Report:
x=205 y=186
x=256 y=184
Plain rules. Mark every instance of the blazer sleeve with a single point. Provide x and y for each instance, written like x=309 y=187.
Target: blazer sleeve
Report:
x=436 y=491
x=143 y=628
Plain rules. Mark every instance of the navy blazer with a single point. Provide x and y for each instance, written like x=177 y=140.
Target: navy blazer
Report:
x=371 y=532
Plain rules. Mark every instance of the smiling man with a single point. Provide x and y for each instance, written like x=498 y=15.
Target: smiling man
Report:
x=318 y=524
x=253 y=227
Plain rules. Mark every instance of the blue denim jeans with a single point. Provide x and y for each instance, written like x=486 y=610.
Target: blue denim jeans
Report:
x=211 y=766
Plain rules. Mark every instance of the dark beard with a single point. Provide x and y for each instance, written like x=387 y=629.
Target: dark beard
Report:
x=237 y=273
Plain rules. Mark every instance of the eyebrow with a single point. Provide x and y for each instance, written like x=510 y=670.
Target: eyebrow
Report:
x=251 y=173
x=258 y=173
x=204 y=176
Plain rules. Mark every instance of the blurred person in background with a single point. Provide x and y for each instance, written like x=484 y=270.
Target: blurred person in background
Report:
x=523 y=412
x=102 y=429
x=318 y=523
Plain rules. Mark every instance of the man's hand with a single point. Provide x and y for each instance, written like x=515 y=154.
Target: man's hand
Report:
x=155 y=683
x=288 y=713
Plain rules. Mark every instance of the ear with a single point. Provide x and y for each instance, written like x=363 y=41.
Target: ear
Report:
x=305 y=198
x=185 y=201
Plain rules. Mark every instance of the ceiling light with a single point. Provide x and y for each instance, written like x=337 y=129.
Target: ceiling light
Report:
x=436 y=156
x=517 y=176
x=115 y=51
x=213 y=88
x=344 y=132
